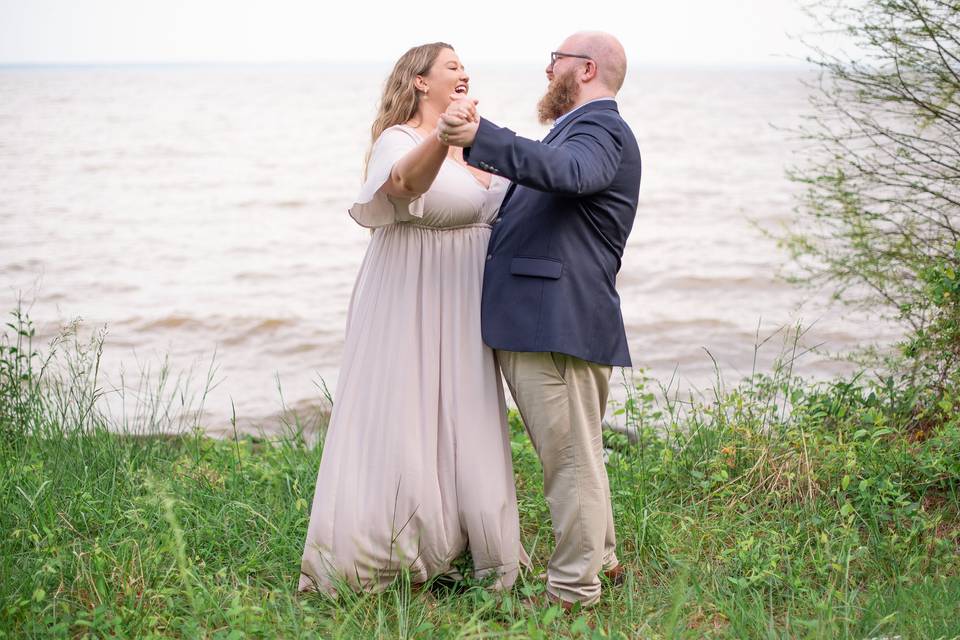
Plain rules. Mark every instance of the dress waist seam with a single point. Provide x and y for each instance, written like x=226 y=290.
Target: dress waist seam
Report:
x=475 y=225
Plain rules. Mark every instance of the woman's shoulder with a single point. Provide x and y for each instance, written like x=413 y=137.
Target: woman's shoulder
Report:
x=399 y=132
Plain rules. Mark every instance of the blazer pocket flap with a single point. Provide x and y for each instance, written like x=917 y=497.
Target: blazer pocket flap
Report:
x=536 y=267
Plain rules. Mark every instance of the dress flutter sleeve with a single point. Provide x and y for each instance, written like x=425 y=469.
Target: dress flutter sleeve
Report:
x=374 y=208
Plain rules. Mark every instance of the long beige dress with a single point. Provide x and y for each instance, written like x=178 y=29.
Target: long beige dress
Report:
x=416 y=464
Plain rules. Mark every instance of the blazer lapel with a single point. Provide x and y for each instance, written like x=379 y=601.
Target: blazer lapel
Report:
x=506 y=196
x=553 y=133
x=600 y=104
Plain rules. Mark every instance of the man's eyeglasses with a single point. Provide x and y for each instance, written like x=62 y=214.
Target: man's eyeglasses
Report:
x=556 y=55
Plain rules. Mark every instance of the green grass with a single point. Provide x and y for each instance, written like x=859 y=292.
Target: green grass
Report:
x=776 y=509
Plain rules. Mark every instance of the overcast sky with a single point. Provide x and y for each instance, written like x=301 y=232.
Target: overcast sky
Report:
x=682 y=32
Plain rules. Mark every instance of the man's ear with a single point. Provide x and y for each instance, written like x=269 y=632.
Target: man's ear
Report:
x=589 y=71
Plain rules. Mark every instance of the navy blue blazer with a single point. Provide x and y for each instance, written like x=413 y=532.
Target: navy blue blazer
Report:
x=549 y=283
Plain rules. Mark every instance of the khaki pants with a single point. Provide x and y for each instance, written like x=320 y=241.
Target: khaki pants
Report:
x=562 y=400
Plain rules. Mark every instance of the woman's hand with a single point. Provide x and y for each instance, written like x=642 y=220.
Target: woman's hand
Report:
x=454 y=132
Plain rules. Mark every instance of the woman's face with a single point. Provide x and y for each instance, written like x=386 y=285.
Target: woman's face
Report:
x=445 y=77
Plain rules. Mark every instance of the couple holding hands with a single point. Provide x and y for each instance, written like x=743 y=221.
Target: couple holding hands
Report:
x=489 y=253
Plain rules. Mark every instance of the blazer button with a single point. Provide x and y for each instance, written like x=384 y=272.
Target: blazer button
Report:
x=489 y=256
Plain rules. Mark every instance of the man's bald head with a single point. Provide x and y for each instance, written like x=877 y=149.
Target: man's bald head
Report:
x=606 y=51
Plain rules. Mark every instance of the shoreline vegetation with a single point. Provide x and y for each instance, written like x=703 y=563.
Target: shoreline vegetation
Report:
x=775 y=508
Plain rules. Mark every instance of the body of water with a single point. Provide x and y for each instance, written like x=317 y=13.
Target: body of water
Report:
x=194 y=210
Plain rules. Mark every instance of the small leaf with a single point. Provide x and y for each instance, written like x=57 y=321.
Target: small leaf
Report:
x=550 y=615
x=581 y=626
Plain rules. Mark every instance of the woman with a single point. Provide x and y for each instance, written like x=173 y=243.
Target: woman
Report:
x=416 y=463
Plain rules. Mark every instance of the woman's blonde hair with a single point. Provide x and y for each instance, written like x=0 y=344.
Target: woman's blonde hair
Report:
x=400 y=98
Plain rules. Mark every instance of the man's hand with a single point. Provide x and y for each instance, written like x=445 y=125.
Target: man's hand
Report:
x=463 y=108
x=456 y=132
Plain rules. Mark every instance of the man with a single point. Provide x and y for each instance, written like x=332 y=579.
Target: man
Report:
x=549 y=304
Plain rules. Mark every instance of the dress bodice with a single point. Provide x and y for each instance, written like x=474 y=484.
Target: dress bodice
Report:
x=455 y=199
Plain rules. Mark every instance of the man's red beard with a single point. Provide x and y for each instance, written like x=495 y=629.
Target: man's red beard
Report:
x=561 y=95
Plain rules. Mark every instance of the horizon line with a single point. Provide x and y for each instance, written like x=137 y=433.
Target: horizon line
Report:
x=753 y=64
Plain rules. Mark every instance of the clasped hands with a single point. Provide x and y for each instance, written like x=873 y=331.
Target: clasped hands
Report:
x=458 y=125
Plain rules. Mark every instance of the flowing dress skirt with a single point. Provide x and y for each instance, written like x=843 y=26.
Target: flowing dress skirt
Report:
x=416 y=462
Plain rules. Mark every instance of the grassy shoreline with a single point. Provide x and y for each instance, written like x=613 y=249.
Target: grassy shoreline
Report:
x=776 y=509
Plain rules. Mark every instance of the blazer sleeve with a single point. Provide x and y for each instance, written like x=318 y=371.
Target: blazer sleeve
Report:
x=585 y=161
x=374 y=207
